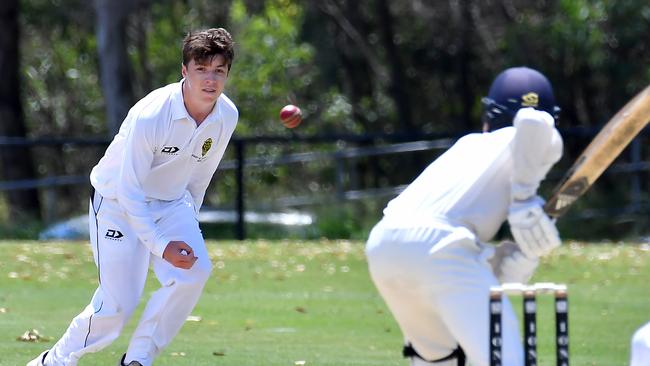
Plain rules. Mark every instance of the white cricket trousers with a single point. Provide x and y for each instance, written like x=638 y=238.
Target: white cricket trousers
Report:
x=122 y=265
x=640 y=346
x=440 y=297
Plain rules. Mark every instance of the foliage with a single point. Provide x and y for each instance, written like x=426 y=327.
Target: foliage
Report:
x=276 y=303
x=348 y=220
x=376 y=66
x=58 y=49
x=272 y=67
x=26 y=229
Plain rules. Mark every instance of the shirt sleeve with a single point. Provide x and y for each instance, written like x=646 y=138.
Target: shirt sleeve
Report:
x=536 y=147
x=136 y=164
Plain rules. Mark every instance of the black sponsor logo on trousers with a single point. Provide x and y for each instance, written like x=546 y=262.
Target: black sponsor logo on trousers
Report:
x=114 y=234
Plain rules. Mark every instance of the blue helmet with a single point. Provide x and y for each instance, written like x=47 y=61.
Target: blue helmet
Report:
x=515 y=88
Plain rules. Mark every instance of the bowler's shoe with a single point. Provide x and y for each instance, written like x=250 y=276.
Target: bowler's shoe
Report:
x=40 y=360
x=132 y=363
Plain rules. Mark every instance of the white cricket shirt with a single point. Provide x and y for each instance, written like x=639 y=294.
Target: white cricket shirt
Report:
x=474 y=182
x=159 y=154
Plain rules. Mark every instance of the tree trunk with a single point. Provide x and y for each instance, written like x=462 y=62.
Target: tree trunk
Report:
x=16 y=162
x=114 y=63
x=398 y=88
x=465 y=56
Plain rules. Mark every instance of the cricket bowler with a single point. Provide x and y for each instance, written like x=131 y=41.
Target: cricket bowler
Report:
x=147 y=191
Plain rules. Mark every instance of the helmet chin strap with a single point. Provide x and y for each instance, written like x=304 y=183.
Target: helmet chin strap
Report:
x=496 y=116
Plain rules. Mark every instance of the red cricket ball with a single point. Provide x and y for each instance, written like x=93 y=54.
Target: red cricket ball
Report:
x=291 y=116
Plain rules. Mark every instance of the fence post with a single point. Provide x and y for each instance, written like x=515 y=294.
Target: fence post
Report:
x=240 y=227
x=635 y=150
x=338 y=177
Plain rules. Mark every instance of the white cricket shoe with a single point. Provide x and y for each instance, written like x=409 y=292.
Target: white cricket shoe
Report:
x=132 y=363
x=40 y=360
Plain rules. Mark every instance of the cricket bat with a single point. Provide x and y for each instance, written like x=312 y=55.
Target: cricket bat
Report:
x=600 y=153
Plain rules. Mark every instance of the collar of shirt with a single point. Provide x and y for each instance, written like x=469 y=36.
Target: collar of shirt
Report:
x=180 y=112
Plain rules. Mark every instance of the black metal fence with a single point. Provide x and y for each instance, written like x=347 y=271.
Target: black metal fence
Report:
x=631 y=164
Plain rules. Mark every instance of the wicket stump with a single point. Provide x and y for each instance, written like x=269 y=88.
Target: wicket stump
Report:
x=529 y=295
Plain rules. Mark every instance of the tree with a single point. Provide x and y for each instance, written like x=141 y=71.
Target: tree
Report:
x=16 y=161
x=398 y=88
x=114 y=62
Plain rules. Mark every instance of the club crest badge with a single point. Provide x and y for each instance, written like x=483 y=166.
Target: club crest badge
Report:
x=207 y=144
x=530 y=100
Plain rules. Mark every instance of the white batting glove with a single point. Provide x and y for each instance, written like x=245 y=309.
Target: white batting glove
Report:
x=510 y=264
x=532 y=229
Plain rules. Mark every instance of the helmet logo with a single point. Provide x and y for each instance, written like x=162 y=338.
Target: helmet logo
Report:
x=530 y=100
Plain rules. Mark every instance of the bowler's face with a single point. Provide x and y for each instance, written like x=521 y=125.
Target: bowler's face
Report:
x=206 y=82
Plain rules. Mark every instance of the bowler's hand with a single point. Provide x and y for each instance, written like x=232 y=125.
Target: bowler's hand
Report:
x=179 y=254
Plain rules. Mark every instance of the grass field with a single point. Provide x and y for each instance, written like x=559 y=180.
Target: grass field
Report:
x=280 y=303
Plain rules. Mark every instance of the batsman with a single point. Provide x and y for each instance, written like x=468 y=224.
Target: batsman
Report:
x=429 y=256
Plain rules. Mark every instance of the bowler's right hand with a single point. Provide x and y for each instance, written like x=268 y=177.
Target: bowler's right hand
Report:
x=179 y=254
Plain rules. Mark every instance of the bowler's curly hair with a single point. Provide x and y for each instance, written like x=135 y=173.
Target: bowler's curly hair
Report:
x=202 y=45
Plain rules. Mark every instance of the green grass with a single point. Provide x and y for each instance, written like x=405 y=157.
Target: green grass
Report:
x=275 y=303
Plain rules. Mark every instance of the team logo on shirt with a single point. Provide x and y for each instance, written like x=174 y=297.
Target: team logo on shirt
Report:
x=172 y=150
x=207 y=144
x=113 y=234
x=530 y=100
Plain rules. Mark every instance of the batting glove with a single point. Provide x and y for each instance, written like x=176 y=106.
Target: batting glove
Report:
x=511 y=265
x=532 y=229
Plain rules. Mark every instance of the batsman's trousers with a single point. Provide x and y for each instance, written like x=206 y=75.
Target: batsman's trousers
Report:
x=435 y=280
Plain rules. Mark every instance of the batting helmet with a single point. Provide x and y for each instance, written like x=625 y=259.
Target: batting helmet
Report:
x=515 y=88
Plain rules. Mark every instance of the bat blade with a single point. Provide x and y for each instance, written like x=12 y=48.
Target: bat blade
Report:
x=600 y=153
